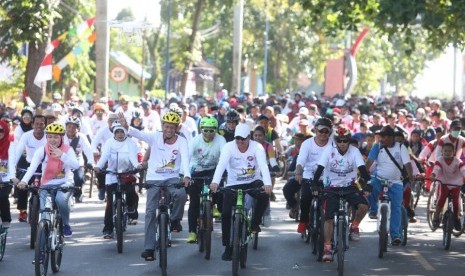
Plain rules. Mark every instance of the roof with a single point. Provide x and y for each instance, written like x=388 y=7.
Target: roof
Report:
x=134 y=68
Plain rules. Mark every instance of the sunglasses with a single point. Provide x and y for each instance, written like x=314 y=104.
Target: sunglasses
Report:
x=324 y=131
x=239 y=138
x=208 y=130
x=345 y=141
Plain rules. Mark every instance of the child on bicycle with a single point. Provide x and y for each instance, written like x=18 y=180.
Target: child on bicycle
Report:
x=58 y=161
x=450 y=170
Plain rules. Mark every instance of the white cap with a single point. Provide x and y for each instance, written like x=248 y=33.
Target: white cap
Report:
x=303 y=110
x=242 y=130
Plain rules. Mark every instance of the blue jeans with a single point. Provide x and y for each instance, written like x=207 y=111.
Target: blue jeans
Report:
x=395 y=194
x=61 y=200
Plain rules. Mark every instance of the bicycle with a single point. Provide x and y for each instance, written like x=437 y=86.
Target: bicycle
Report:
x=163 y=237
x=241 y=233
x=33 y=208
x=340 y=242
x=205 y=220
x=431 y=204
x=315 y=227
x=383 y=219
x=120 y=207
x=417 y=189
x=3 y=231
x=50 y=239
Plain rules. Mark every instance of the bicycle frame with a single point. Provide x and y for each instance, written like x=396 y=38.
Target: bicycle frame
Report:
x=384 y=200
x=342 y=213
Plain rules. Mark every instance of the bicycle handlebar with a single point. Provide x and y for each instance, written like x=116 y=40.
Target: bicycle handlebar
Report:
x=120 y=173
x=222 y=189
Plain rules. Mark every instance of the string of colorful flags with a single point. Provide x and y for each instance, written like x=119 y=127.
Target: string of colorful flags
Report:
x=47 y=70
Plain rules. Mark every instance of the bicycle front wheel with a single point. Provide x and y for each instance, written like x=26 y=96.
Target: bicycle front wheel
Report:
x=404 y=226
x=417 y=190
x=57 y=253
x=340 y=246
x=163 y=242
x=431 y=207
x=383 y=234
x=33 y=218
x=208 y=226
x=41 y=249
x=119 y=224
x=244 y=239
x=2 y=243
x=447 y=226
x=236 y=244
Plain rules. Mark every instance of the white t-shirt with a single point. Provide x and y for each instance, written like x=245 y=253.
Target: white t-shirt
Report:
x=385 y=168
x=97 y=124
x=243 y=167
x=82 y=147
x=340 y=170
x=166 y=161
x=204 y=156
x=309 y=155
x=27 y=143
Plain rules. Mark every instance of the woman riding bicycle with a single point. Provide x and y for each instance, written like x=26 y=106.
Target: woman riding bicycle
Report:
x=121 y=155
x=339 y=164
x=5 y=213
x=58 y=160
x=204 y=152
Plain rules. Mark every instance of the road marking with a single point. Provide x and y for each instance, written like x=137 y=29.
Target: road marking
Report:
x=422 y=261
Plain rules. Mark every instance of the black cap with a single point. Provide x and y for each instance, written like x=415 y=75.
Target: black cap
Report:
x=387 y=131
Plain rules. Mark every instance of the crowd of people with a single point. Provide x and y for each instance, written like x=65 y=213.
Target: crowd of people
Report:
x=240 y=142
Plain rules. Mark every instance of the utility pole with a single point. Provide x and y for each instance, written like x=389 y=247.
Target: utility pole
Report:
x=142 y=88
x=102 y=48
x=237 y=47
x=167 y=64
x=265 y=61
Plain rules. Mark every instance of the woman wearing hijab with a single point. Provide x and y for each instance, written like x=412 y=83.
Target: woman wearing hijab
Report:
x=58 y=160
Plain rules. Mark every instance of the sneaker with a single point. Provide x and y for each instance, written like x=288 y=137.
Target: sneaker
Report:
x=354 y=234
x=372 y=215
x=255 y=229
x=302 y=227
x=132 y=221
x=327 y=254
x=22 y=216
x=293 y=213
x=101 y=194
x=107 y=234
x=216 y=212
x=67 y=232
x=78 y=199
x=176 y=226
x=436 y=224
x=396 y=241
x=148 y=255
x=267 y=221
x=227 y=254
x=192 y=238
x=458 y=225
x=412 y=219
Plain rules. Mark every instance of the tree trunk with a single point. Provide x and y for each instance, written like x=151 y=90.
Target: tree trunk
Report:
x=152 y=43
x=190 y=47
x=35 y=57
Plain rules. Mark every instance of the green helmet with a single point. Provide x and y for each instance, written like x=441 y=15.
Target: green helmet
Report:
x=208 y=122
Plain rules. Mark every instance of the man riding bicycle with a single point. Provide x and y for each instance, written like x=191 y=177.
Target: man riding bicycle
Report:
x=245 y=161
x=339 y=164
x=204 y=152
x=169 y=157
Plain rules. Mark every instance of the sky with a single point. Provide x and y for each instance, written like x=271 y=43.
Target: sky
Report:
x=141 y=9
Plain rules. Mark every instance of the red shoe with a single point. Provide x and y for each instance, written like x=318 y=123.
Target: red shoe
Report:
x=302 y=227
x=22 y=216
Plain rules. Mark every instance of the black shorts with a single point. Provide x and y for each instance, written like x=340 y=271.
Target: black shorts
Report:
x=331 y=201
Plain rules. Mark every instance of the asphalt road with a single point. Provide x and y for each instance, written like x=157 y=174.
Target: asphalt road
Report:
x=281 y=251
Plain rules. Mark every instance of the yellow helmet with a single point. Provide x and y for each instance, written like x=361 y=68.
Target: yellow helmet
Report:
x=55 y=128
x=171 y=118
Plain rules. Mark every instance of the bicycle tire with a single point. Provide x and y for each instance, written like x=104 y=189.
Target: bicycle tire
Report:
x=314 y=211
x=447 y=226
x=119 y=224
x=404 y=225
x=417 y=189
x=340 y=246
x=33 y=218
x=2 y=243
x=42 y=244
x=236 y=244
x=430 y=208
x=57 y=254
x=321 y=238
x=163 y=242
x=208 y=226
x=91 y=182
x=383 y=234
x=244 y=244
